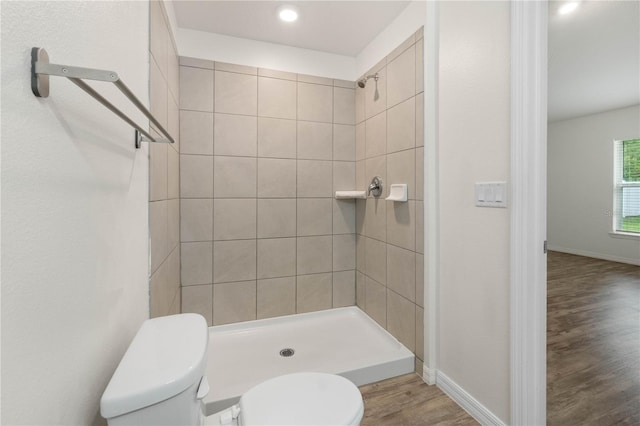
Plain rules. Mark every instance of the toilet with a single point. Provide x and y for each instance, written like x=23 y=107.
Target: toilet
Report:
x=161 y=380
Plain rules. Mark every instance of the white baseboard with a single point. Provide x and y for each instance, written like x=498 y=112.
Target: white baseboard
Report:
x=428 y=375
x=471 y=405
x=594 y=255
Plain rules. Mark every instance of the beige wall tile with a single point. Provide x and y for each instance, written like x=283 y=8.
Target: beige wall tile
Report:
x=359 y=104
x=315 y=140
x=375 y=219
x=420 y=226
x=174 y=123
x=173 y=174
x=196 y=89
x=420 y=279
x=348 y=84
x=401 y=168
x=234 y=302
x=158 y=294
x=360 y=253
x=376 y=135
x=276 y=218
x=314 y=178
x=196 y=176
x=158 y=98
x=344 y=216
x=196 y=132
x=234 y=177
x=361 y=147
x=276 y=297
x=276 y=257
x=196 y=62
x=361 y=179
x=344 y=142
x=375 y=261
x=401 y=271
x=314 y=216
x=401 y=224
x=344 y=175
x=276 y=138
x=401 y=77
x=264 y=72
x=376 y=301
x=277 y=98
x=344 y=252
x=276 y=178
x=235 y=135
x=234 y=219
x=344 y=104
x=419 y=173
x=242 y=69
x=158 y=172
x=173 y=274
x=173 y=76
x=419 y=33
x=314 y=292
x=373 y=106
x=236 y=93
x=173 y=223
x=420 y=119
x=419 y=66
x=196 y=220
x=234 y=260
x=360 y=290
x=197 y=263
x=401 y=319
x=361 y=209
x=344 y=288
x=315 y=80
x=315 y=102
x=314 y=255
x=158 y=36
x=408 y=43
x=420 y=332
x=401 y=126
x=198 y=300
x=176 y=306
x=158 y=232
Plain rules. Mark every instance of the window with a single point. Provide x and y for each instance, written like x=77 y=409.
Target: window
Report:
x=627 y=186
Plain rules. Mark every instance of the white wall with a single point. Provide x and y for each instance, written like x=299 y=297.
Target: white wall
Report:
x=74 y=210
x=580 y=184
x=474 y=242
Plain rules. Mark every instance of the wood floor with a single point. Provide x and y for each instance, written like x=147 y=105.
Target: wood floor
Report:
x=407 y=400
x=593 y=342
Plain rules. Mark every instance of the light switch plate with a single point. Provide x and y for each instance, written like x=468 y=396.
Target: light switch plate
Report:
x=491 y=194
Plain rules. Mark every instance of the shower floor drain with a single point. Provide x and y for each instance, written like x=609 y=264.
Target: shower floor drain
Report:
x=287 y=352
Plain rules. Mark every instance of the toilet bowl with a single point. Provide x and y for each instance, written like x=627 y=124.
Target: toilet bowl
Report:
x=161 y=380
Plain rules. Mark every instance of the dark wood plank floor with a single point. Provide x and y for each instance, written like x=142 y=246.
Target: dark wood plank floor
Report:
x=593 y=342
x=407 y=400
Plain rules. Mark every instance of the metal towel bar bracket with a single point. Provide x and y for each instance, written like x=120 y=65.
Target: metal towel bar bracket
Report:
x=41 y=69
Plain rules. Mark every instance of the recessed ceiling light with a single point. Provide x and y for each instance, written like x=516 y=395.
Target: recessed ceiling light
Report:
x=288 y=13
x=568 y=7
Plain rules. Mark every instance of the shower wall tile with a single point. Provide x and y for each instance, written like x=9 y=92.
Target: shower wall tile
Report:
x=420 y=333
x=234 y=302
x=196 y=176
x=197 y=263
x=401 y=134
x=344 y=142
x=276 y=297
x=419 y=173
x=376 y=135
x=242 y=69
x=276 y=178
x=276 y=218
x=314 y=216
x=408 y=43
x=360 y=290
x=344 y=175
x=401 y=224
x=196 y=62
x=401 y=168
x=276 y=138
x=420 y=280
x=234 y=260
x=276 y=257
x=315 y=102
x=401 y=78
x=314 y=178
x=344 y=111
x=420 y=227
x=314 y=254
x=314 y=292
x=235 y=135
x=375 y=105
x=315 y=80
x=344 y=217
x=419 y=66
x=344 y=252
x=277 y=98
x=359 y=105
x=196 y=219
x=198 y=300
x=375 y=304
x=375 y=262
x=234 y=219
x=196 y=89
x=196 y=132
x=283 y=75
x=347 y=84
x=236 y=93
x=401 y=319
x=375 y=218
x=344 y=288
x=361 y=147
x=164 y=169
x=234 y=177
x=420 y=119
x=401 y=267
x=315 y=140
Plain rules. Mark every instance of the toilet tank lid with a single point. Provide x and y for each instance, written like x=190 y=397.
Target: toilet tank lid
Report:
x=167 y=355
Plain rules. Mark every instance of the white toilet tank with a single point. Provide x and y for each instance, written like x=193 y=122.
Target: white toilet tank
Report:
x=159 y=381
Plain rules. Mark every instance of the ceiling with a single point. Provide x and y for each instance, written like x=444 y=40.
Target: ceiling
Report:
x=340 y=27
x=594 y=58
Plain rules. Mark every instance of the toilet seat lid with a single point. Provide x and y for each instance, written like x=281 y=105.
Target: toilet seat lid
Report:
x=302 y=399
